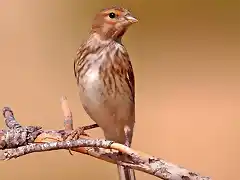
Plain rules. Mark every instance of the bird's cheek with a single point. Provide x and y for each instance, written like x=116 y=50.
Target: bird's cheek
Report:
x=106 y=27
x=117 y=25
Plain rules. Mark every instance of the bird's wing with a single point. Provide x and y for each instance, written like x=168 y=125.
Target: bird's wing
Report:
x=130 y=79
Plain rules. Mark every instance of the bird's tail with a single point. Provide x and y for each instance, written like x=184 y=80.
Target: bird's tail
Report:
x=125 y=173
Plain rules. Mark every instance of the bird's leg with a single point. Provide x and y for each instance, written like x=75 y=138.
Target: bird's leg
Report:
x=128 y=136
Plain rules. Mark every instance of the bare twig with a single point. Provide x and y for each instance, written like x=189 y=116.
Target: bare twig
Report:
x=98 y=148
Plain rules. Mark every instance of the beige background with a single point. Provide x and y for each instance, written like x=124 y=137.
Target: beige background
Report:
x=186 y=60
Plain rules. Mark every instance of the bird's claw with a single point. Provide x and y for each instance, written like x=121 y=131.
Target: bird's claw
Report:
x=74 y=135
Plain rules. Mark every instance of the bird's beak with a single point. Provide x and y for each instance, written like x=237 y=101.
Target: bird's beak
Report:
x=131 y=19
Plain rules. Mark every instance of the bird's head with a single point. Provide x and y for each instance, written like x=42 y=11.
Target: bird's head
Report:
x=112 y=23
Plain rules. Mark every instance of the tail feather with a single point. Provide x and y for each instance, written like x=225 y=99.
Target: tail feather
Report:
x=125 y=173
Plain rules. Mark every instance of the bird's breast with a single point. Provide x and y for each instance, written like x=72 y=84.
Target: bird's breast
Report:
x=92 y=86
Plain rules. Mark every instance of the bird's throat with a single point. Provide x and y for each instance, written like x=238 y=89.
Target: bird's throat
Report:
x=110 y=33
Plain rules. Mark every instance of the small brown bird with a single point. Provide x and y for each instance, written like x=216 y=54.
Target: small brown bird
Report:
x=105 y=78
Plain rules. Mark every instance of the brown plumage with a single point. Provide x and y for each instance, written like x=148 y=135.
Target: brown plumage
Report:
x=105 y=78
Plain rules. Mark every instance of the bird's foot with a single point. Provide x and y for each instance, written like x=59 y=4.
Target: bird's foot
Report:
x=121 y=156
x=74 y=135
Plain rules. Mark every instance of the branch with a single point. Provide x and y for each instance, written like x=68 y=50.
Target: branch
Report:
x=17 y=141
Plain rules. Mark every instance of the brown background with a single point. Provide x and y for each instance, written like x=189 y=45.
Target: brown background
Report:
x=186 y=60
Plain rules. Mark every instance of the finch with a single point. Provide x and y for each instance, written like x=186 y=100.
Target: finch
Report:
x=105 y=78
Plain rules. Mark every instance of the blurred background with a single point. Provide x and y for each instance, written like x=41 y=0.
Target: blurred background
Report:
x=186 y=57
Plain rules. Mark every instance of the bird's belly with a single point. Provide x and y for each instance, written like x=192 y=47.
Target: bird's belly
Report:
x=112 y=112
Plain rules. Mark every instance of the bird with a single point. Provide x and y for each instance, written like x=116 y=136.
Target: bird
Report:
x=105 y=78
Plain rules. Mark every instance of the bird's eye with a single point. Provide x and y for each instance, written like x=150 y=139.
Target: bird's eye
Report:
x=112 y=15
